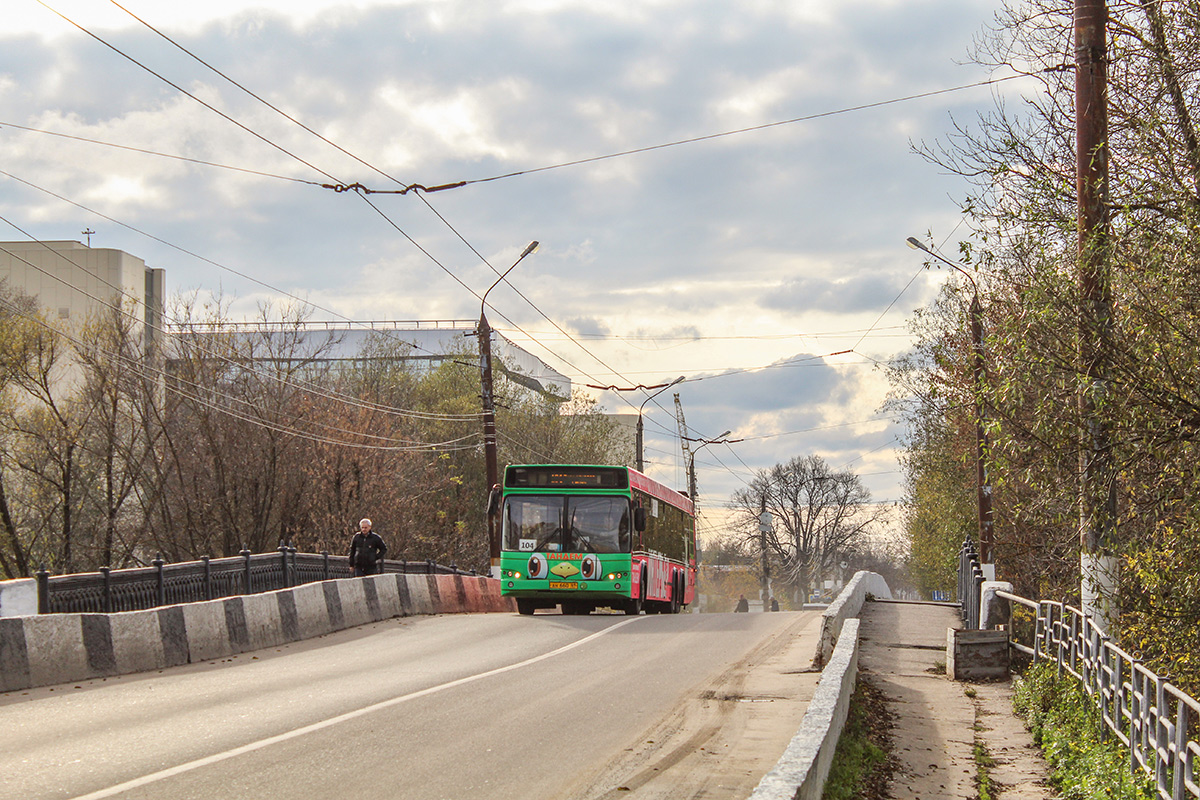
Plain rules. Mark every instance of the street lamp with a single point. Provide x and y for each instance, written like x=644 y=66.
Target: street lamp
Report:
x=718 y=439
x=641 y=462
x=983 y=489
x=489 y=410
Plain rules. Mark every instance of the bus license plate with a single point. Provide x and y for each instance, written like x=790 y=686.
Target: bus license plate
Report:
x=564 y=585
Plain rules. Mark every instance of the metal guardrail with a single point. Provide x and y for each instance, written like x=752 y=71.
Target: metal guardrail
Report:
x=1154 y=719
x=107 y=591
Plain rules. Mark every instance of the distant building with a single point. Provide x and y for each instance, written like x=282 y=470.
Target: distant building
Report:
x=424 y=344
x=72 y=281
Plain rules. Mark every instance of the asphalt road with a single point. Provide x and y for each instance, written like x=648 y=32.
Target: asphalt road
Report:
x=459 y=706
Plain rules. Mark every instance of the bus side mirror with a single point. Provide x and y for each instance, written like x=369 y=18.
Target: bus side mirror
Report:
x=639 y=519
x=493 y=503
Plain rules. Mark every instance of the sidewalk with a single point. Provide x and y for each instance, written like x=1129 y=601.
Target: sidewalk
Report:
x=938 y=721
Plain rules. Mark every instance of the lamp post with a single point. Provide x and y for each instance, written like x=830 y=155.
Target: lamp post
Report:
x=640 y=443
x=489 y=410
x=983 y=489
x=718 y=439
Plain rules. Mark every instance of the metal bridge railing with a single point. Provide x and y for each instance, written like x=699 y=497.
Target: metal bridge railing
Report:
x=970 y=584
x=107 y=591
x=1157 y=722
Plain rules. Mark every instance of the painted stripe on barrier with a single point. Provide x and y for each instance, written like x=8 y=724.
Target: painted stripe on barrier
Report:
x=372 y=598
x=289 y=621
x=333 y=605
x=460 y=593
x=402 y=594
x=235 y=624
x=173 y=629
x=98 y=644
x=14 y=658
x=435 y=594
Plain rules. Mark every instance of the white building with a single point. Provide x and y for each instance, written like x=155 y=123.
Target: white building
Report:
x=72 y=281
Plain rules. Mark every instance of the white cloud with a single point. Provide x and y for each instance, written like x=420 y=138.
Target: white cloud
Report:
x=762 y=246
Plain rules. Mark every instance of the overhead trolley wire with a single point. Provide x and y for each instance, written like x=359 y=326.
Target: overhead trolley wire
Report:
x=711 y=136
x=144 y=151
x=362 y=190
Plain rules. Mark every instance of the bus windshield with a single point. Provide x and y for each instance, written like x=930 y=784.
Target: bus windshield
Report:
x=574 y=524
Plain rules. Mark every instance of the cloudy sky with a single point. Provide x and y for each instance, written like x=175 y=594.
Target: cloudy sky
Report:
x=743 y=262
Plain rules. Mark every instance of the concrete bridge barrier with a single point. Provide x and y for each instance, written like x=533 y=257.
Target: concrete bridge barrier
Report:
x=847 y=606
x=801 y=772
x=42 y=650
x=804 y=767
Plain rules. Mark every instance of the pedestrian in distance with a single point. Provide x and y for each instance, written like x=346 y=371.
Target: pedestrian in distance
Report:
x=742 y=604
x=366 y=550
x=774 y=604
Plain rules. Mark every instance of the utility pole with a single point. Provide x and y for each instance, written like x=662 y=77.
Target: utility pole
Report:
x=489 y=412
x=983 y=487
x=1097 y=484
x=489 y=431
x=764 y=527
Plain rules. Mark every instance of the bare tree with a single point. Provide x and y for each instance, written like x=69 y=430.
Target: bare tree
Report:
x=820 y=517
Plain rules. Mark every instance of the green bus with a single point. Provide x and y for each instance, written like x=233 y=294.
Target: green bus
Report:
x=587 y=537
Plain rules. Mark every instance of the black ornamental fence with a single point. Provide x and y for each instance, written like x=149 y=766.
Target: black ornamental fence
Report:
x=161 y=584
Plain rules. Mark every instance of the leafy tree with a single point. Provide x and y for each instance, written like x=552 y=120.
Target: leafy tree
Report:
x=1021 y=205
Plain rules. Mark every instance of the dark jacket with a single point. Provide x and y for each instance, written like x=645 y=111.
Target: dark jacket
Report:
x=366 y=551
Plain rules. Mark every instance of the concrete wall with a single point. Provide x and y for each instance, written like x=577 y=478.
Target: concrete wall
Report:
x=42 y=650
x=847 y=606
x=801 y=772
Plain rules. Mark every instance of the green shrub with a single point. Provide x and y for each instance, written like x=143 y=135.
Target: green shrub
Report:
x=1066 y=724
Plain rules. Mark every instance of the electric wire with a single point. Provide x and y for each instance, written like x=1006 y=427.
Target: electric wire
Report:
x=359 y=189
x=144 y=151
x=739 y=131
x=204 y=259
x=581 y=161
x=181 y=90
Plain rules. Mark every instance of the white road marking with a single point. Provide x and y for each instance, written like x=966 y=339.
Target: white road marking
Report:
x=170 y=772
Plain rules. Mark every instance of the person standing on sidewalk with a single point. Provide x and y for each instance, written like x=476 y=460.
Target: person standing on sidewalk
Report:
x=366 y=550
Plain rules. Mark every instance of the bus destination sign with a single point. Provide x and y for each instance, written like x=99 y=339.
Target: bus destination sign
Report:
x=566 y=477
